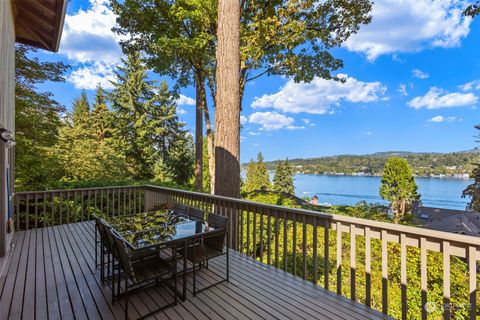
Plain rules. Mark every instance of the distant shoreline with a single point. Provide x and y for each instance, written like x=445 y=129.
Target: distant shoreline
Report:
x=443 y=177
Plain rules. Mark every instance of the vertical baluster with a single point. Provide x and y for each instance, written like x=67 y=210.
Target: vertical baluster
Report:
x=446 y=280
x=304 y=247
x=254 y=234
x=27 y=214
x=135 y=206
x=326 y=253
x=60 y=217
x=95 y=200
x=353 y=262
x=44 y=212
x=294 y=246
x=384 y=272
x=17 y=201
x=339 y=257
x=248 y=231
x=68 y=206
x=472 y=271
x=36 y=210
x=88 y=205
x=119 y=202
x=269 y=237
x=101 y=201
x=285 y=241
x=368 y=268
x=276 y=238
x=82 y=205
x=423 y=275
x=403 y=273
x=315 y=244
x=107 y=201
x=241 y=213
x=124 y=201
x=262 y=227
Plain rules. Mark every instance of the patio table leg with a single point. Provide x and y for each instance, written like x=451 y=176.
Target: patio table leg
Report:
x=184 y=297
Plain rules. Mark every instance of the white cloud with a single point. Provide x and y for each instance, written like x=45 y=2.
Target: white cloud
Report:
x=472 y=85
x=253 y=133
x=181 y=110
x=185 y=101
x=420 y=74
x=437 y=98
x=320 y=95
x=270 y=120
x=308 y=122
x=444 y=119
x=367 y=133
x=243 y=120
x=402 y=89
x=87 y=77
x=91 y=46
x=409 y=26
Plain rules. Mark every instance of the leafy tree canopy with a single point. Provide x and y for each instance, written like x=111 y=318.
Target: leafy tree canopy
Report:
x=283 y=178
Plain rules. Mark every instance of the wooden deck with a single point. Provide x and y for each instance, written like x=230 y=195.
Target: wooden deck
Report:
x=51 y=275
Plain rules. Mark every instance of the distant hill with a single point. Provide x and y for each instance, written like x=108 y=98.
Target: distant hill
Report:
x=457 y=164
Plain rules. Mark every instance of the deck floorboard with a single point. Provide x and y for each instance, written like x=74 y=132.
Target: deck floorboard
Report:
x=51 y=275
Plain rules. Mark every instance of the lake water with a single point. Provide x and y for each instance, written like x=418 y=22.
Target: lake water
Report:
x=435 y=192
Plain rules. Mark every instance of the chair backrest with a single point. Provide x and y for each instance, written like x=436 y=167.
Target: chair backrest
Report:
x=218 y=221
x=123 y=256
x=196 y=213
x=109 y=243
x=218 y=241
x=180 y=208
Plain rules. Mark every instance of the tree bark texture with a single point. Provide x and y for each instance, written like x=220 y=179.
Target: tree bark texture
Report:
x=199 y=107
x=227 y=112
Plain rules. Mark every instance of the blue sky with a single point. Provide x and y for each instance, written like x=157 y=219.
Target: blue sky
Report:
x=412 y=84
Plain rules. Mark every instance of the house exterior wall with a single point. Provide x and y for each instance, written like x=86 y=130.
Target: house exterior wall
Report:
x=7 y=113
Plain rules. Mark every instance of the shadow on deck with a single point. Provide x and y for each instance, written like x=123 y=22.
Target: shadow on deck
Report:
x=52 y=275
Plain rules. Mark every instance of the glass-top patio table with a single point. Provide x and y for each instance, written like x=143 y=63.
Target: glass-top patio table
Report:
x=161 y=229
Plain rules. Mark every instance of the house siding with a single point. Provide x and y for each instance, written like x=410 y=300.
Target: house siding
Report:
x=7 y=112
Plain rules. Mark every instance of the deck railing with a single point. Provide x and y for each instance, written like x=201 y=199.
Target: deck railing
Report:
x=367 y=261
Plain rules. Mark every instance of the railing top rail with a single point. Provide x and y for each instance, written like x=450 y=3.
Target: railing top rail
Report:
x=78 y=189
x=394 y=228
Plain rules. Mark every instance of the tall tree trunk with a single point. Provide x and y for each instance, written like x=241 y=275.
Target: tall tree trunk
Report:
x=227 y=111
x=199 y=101
x=210 y=145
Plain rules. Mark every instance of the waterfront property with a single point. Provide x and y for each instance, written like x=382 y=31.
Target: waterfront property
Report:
x=284 y=262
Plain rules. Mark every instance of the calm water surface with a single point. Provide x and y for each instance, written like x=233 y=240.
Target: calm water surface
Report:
x=442 y=193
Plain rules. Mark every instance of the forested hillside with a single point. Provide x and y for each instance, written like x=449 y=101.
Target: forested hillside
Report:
x=423 y=164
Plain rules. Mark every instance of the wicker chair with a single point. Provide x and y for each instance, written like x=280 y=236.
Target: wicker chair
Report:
x=207 y=247
x=196 y=213
x=143 y=273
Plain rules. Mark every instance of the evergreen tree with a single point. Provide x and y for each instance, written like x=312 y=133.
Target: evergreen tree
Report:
x=283 y=178
x=147 y=124
x=86 y=150
x=37 y=121
x=398 y=186
x=257 y=175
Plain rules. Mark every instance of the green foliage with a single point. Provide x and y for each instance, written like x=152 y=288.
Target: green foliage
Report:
x=472 y=10
x=86 y=148
x=37 y=119
x=398 y=186
x=257 y=175
x=423 y=164
x=283 y=178
x=147 y=124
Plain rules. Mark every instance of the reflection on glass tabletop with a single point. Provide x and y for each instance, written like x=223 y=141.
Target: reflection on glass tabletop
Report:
x=145 y=221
